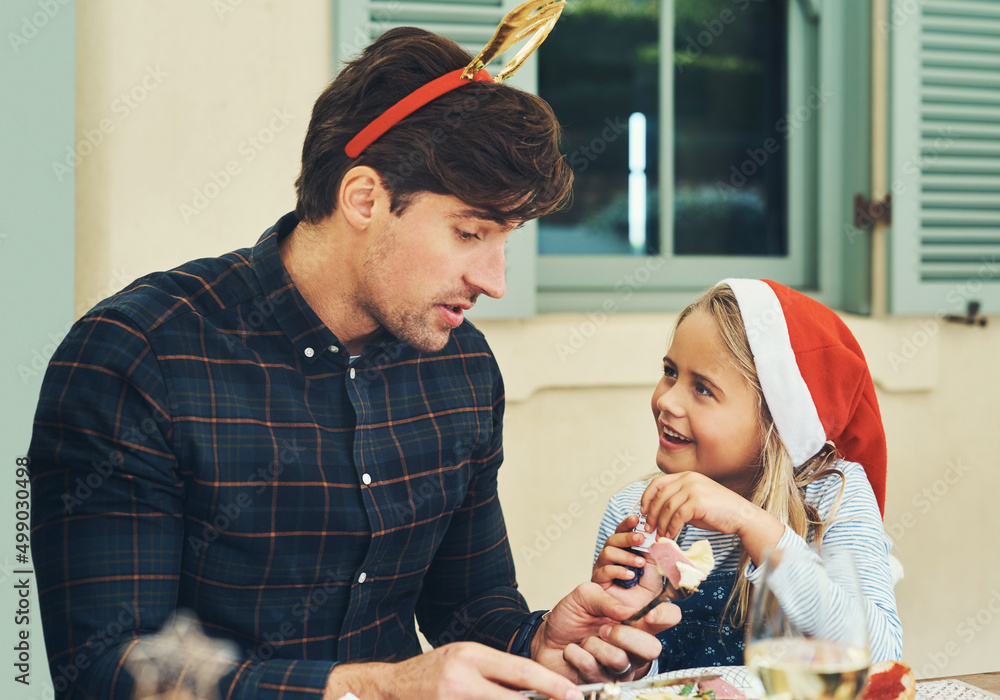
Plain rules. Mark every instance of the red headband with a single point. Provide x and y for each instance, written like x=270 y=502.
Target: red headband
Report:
x=408 y=105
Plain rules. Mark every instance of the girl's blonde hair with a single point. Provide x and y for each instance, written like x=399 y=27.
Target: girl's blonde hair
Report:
x=778 y=487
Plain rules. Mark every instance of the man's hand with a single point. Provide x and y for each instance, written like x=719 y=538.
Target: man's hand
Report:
x=582 y=640
x=459 y=670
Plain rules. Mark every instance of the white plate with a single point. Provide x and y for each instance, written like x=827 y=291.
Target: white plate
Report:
x=737 y=676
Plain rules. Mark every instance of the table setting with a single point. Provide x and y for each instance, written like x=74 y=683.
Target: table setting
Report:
x=830 y=661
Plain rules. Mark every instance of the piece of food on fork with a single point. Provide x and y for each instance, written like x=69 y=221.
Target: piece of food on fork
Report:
x=685 y=569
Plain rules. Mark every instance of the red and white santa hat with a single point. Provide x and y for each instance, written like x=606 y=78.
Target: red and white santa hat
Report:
x=814 y=377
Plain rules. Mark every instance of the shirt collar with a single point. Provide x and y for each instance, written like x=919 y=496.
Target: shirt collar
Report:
x=311 y=338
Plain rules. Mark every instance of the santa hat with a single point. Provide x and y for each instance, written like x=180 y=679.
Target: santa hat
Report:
x=814 y=377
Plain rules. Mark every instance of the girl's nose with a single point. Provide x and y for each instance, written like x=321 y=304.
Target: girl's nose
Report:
x=670 y=401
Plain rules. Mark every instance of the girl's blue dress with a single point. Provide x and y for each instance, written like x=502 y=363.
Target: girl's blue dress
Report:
x=697 y=639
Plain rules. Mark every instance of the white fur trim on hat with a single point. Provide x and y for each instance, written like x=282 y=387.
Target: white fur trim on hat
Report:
x=785 y=391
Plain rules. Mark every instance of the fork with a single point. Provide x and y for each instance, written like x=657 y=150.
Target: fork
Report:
x=668 y=592
x=534 y=17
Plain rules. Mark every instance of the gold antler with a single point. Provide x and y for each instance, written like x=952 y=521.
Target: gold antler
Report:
x=534 y=18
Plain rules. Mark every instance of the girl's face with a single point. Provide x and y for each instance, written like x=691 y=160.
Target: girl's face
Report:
x=705 y=410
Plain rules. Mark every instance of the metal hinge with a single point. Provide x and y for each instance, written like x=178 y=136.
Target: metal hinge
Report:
x=867 y=212
x=971 y=318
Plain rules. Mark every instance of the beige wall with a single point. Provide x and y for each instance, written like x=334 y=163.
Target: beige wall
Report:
x=198 y=110
x=577 y=427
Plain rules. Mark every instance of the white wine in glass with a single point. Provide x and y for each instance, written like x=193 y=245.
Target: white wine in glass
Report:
x=819 y=651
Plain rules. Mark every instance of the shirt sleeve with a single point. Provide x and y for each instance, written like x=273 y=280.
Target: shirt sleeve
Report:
x=107 y=523
x=815 y=601
x=620 y=506
x=470 y=590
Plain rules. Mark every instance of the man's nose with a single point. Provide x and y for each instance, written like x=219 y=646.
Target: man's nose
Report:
x=487 y=274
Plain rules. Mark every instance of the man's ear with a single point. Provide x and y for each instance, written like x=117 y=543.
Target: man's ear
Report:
x=361 y=196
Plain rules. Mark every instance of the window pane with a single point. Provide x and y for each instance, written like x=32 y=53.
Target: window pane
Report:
x=600 y=72
x=599 y=66
x=729 y=98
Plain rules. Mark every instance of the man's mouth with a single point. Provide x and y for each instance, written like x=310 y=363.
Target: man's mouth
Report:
x=453 y=314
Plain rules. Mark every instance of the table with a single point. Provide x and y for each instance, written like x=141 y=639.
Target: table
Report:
x=984 y=681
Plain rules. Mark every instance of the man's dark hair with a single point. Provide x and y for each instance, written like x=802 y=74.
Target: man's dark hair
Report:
x=494 y=147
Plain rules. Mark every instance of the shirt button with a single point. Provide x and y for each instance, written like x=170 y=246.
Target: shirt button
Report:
x=352 y=373
x=309 y=352
x=362 y=577
x=334 y=348
x=367 y=478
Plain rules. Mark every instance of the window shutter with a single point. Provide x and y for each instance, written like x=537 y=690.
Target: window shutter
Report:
x=945 y=162
x=470 y=23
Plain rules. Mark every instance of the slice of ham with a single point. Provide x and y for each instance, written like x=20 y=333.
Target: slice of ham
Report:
x=681 y=570
x=723 y=690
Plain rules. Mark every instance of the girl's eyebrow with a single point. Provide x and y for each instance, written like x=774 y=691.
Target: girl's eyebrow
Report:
x=697 y=375
x=706 y=380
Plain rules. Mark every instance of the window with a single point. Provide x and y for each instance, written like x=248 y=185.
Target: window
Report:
x=804 y=67
x=692 y=162
x=728 y=103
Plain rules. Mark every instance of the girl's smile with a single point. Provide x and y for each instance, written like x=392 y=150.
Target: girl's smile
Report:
x=672 y=440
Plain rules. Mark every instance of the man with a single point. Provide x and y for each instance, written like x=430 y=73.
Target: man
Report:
x=300 y=441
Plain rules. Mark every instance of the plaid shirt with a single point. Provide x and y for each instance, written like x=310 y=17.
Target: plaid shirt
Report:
x=203 y=442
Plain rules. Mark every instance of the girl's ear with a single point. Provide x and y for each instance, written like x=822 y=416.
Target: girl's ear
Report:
x=360 y=196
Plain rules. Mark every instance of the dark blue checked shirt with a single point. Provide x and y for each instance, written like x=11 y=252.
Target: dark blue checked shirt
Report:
x=202 y=442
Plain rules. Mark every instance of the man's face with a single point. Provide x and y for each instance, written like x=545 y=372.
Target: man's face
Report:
x=426 y=267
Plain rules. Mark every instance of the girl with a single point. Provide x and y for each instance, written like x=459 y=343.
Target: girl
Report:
x=763 y=389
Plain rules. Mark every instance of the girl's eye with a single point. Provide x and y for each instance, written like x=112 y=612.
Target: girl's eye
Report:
x=669 y=371
x=703 y=390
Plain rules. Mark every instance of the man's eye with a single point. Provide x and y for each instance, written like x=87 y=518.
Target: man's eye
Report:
x=466 y=236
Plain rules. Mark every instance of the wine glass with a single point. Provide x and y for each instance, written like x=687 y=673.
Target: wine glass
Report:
x=807 y=630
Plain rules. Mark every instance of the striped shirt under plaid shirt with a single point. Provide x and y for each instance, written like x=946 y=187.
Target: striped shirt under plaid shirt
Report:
x=203 y=442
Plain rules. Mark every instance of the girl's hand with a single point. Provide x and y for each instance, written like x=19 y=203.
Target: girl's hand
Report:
x=673 y=500
x=613 y=559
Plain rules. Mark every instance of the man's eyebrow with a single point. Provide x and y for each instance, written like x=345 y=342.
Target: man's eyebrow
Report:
x=471 y=214
x=480 y=214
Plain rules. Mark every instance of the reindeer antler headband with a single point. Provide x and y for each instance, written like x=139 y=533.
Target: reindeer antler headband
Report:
x=534 y=18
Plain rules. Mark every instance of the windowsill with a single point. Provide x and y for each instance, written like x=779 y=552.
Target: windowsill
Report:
x=599 y=349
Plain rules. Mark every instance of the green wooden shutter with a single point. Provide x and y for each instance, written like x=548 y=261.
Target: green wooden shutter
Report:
x=945 y=160
x=471 y=23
